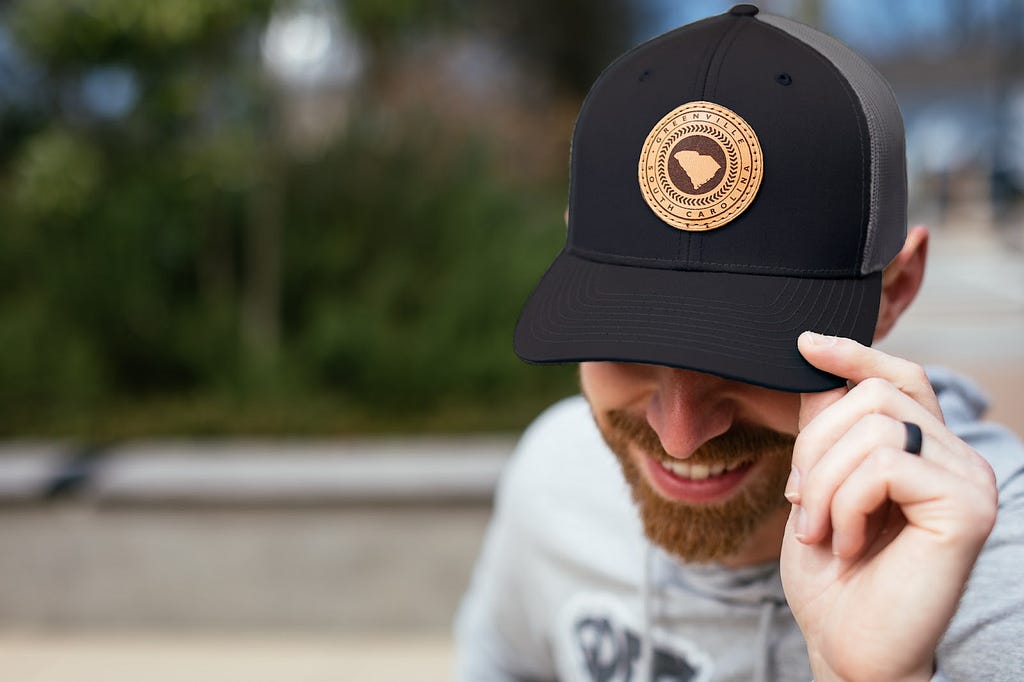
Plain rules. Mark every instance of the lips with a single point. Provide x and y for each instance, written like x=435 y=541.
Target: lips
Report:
x=696 y=483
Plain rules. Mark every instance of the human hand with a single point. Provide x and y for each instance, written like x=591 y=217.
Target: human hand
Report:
x=880 y=543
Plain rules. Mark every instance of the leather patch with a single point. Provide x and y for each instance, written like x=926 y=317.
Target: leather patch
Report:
x=700 y=166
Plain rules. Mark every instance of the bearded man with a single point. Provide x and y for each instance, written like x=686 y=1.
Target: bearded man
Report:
x=746 y=490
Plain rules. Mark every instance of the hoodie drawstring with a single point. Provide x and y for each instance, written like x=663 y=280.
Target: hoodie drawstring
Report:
x=762 y=664
x=647 y=604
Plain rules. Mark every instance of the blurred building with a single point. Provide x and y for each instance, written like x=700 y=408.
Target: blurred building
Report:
x=958 y=71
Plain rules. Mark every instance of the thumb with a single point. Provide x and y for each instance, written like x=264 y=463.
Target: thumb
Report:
x=812 y=404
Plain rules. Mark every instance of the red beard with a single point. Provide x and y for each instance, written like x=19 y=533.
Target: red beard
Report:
x=704 y=532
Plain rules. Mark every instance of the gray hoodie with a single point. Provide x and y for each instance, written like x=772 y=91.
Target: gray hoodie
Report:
x=568 y=588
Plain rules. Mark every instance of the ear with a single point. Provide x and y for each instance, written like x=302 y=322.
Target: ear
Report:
x=902 y=280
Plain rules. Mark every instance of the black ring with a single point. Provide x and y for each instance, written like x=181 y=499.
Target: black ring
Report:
x=914 y=438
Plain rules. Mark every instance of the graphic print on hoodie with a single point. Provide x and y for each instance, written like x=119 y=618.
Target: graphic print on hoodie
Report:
x=608 y=646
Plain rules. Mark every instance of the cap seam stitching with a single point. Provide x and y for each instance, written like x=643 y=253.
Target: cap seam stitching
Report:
x=710 y=93
x=698 y=91
x=599 y=257
x=723 y=50
x=714 y=54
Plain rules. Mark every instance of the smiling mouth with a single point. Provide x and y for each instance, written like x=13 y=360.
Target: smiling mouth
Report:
x=697 y=483
x=700 y=472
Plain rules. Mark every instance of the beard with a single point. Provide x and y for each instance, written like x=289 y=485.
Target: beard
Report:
x=704 y=532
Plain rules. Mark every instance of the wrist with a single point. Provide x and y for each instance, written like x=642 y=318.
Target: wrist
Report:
x=823 y=672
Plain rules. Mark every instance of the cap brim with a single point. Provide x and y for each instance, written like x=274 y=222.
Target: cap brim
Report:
x=738 y=326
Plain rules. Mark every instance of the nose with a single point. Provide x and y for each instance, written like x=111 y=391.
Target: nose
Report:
x=688 y=409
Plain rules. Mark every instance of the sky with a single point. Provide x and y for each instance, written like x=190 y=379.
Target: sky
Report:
x=875 y=28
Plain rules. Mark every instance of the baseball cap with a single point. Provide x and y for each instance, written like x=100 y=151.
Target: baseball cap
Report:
x=733 y=182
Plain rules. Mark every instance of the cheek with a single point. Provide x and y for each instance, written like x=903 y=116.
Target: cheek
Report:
x=615 y=385
x=776 y=410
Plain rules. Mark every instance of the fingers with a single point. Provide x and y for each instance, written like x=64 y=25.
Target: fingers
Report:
x=812 y=404
x=848 y=359
x=864 y=493
x=868 y=419
x=872 y=397
x=846 y=433
x=825 y=476
x=951 y=512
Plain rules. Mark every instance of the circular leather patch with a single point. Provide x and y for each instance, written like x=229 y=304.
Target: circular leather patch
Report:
x=700 y=166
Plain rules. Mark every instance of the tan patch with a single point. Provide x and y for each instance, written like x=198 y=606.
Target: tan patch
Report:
x=700 y=166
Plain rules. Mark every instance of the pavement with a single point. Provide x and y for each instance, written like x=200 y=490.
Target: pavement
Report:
x=135 y=657
x=284 y=560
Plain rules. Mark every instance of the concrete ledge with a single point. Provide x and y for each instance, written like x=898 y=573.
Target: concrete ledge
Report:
x=28 y=468
x=257 y=472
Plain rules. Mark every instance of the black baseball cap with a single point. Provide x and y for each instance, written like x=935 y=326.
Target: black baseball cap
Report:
x=734 y=182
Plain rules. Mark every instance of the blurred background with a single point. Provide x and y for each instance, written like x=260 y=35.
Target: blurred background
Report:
x=260 y=261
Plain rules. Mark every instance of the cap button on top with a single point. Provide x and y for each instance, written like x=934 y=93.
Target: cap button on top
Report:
x=744 y=10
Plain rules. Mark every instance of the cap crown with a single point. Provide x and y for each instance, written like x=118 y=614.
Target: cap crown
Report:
x=832 y=200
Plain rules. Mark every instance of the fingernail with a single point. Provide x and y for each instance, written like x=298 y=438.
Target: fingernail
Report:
x=801 y=523
x=793 y=486
x=821 y=339
x=835 y=545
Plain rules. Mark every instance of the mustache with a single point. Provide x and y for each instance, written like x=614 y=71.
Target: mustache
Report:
x=741 y=443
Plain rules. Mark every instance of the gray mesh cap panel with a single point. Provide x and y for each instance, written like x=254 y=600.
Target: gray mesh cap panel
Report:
x=887 y=217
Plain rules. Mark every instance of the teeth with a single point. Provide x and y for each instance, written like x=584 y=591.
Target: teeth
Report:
x=699 y=472
x=678 y=468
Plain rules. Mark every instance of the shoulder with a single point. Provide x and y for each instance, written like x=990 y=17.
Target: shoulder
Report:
x=562 y=456
x=563 y=434
x=564 y=490
x=563 y=523
x=963 y=406
x=990 y=619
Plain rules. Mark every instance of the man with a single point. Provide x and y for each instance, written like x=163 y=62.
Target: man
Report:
x=780 y=500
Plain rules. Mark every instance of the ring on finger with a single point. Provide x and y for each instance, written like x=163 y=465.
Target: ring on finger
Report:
x=915 y=439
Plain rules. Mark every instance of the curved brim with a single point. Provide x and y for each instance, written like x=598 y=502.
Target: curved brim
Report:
x=738 y=326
